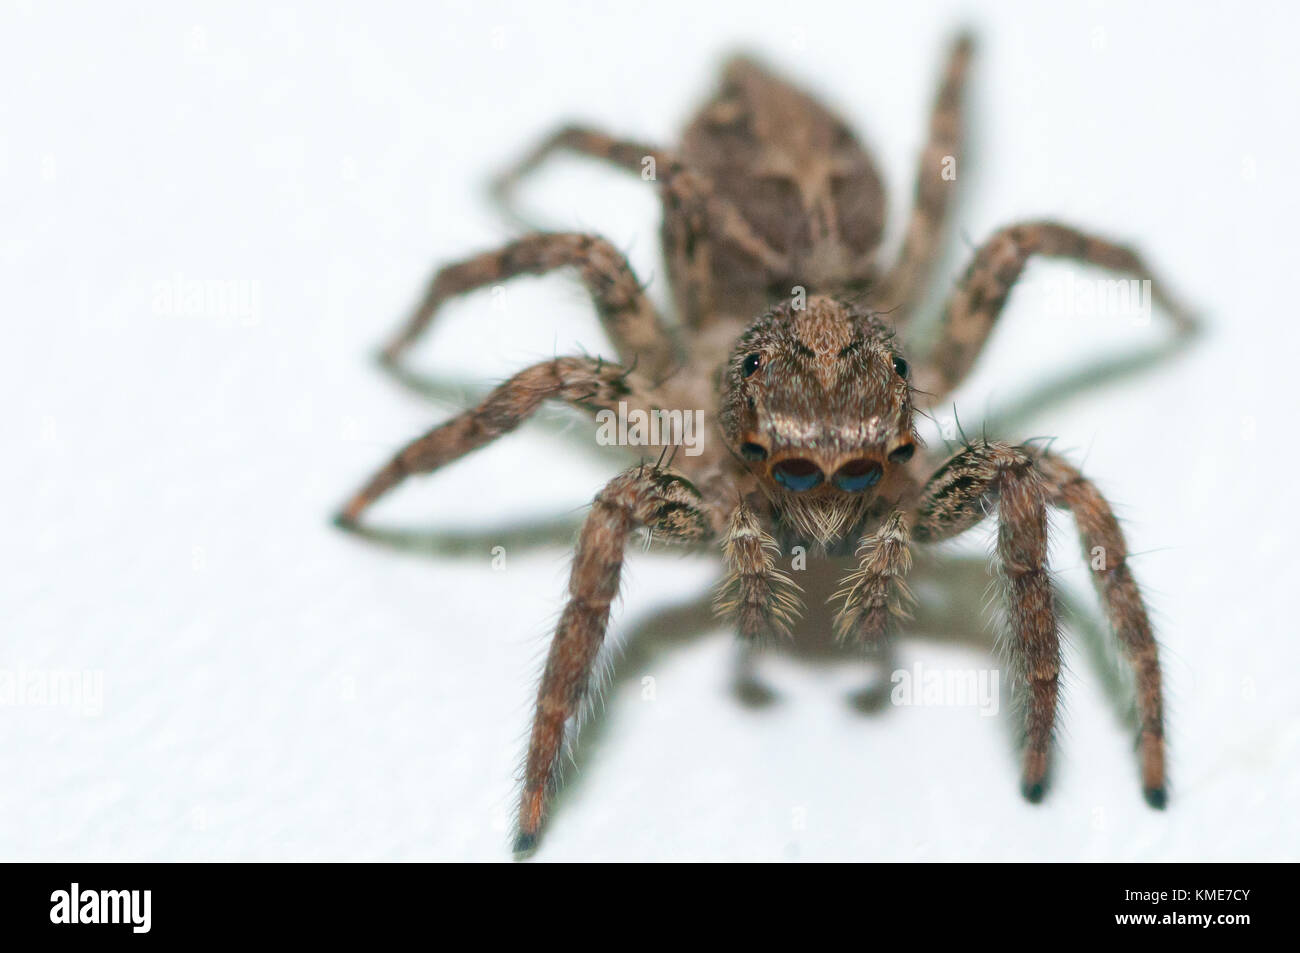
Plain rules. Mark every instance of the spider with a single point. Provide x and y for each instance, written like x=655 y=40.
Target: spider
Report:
x=772 y=208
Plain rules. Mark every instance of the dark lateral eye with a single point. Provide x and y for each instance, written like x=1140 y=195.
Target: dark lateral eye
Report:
x=900 y=367
x=903 y=453
x=750 y=364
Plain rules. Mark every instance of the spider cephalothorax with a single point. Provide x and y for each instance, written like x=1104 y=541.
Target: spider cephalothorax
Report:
x=773 y=208
x=817 y=403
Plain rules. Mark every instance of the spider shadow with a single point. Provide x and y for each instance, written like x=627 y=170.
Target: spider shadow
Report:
x=1058 y=390
x=550 y=533
x=952 y=611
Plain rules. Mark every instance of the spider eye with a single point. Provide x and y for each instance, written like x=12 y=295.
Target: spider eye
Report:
x=750 y=364
x=900 y=367
x=856 y=476
x=903 y=453
x=797 y=475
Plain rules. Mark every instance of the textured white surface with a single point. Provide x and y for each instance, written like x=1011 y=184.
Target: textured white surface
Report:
x=273 y=689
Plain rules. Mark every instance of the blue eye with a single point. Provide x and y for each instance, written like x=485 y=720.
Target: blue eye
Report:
x=797 y=475
x=856 y=476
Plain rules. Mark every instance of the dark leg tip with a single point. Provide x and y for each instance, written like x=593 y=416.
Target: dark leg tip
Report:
x=1033 y=791
x=1156 y=797
x=343 y=521
x=525 y=844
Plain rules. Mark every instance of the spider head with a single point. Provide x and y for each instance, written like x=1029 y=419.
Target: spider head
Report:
x=817 y=403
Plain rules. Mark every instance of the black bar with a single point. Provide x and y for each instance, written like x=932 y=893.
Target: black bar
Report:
x=371 y=901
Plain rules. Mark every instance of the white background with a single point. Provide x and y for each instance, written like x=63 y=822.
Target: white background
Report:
x=274 y=689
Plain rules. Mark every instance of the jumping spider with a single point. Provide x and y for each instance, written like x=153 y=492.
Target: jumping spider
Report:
x=771 y=197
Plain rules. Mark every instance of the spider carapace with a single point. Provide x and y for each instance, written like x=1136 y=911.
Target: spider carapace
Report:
x=788 y=336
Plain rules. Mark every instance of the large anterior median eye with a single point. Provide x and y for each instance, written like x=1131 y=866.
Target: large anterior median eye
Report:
x=900 y=367
x=797 y=475
x=856 y=475
x=750 y=364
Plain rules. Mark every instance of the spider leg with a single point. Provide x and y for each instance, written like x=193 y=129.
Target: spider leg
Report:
x=975 y=305
x=904 y=284
x=763 y=600
x=952 y=502
x=1107 y=555
x=627 y=154
x=699 y=227
x=695 y=215
x=585 y=382
x=651 y=497
x=633 y=324
x=877 y=591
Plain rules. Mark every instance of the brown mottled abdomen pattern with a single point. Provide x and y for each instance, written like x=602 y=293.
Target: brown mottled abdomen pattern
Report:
x=798 y=178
